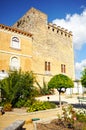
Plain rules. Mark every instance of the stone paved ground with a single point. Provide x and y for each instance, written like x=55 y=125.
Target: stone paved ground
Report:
x=9 y=117
x=21 y=114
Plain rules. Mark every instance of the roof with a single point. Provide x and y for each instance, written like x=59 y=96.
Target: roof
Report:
x=15 y=30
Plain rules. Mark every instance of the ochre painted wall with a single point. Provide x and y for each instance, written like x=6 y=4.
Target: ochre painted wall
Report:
x=24 y=54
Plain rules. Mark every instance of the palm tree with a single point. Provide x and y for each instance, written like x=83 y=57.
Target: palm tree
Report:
x=18 y=84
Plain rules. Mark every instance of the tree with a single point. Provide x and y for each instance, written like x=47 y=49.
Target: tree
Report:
x=83 y=78
x=61 y=83
x=17 y=85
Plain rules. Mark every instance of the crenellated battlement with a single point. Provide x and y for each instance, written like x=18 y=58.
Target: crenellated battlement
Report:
x=35 y=19
x=59 y=30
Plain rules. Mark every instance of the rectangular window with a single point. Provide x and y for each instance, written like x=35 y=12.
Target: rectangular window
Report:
x=63 y=68
x=47 y=66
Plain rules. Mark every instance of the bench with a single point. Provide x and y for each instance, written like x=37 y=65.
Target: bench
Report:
x=17 y=125
x=81 y=100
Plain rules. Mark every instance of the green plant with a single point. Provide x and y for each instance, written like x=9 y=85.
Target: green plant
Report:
x=72 y=118
x=61 y=83
x=40 y=105
x=81 y=115
x=16 y=86
x=83 y=78
x=69 y=114
x=20 y=103
x=44 y=90
x=29 y=102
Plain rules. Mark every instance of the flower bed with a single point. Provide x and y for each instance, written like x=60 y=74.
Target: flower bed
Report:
x=61 y=125
x=70 y=119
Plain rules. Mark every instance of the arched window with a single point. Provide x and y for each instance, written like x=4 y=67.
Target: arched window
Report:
x=15 y=43
x=14 y=64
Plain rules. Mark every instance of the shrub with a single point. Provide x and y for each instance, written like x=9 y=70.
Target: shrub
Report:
x=40 y=105
x=44 y=90
x=29 y=102
x=20 y=103
x=24 y=103
x=18 y=85
x=69 y=114
x=72 y=118
x=7 y=107
x=81 y=115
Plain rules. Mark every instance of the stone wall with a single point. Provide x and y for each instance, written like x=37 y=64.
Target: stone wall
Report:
x=50 y=43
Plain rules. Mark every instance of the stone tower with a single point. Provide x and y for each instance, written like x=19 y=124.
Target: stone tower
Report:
x=52 y=45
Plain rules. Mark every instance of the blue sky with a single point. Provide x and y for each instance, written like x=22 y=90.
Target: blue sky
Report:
x=70 y=14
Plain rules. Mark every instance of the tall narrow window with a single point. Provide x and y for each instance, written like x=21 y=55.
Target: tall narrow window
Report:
x=15 y=43
x=63 y=68
x=47 y=67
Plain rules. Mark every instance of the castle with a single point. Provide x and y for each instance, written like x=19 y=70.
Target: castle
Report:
x=33 y=44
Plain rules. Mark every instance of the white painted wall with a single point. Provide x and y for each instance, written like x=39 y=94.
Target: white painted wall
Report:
x=78 y=89
x=3 y=75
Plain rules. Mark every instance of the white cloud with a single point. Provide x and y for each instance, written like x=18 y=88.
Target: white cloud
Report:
x=77 y=24
x=79 y=66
